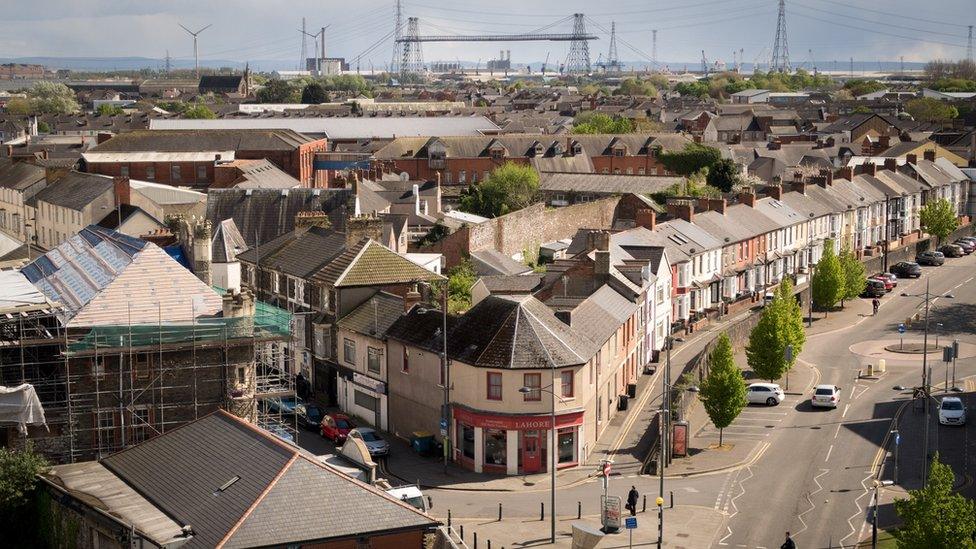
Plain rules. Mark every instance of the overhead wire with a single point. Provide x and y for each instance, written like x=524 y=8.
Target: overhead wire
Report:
x=913 y=17
x=904 y=27
x=875 y=31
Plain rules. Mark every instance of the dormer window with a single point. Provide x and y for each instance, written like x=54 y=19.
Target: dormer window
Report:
x=618 y=150
x=496 y=152
x=537 y=150
x=577 y=149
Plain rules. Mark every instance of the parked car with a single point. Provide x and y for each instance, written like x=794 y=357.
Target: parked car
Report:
x=968 y=246
x=935 y=259
x=952 y=411
x=907 y=269
x=769 y=394
x=374 y=443
x=336 y=427
x=952 y=250
x=310 y=416
x=888 y=284
x=825 y=396
x=874 y=288
x=970 y=239
x=286 y=405
x=891 y=278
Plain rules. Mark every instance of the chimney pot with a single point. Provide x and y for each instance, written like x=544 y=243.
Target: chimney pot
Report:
x=891 y=164
x=749 y=199
x=929 y=155
x=645 y=217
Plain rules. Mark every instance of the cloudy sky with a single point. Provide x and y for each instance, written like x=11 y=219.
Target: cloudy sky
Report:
x=267 y=29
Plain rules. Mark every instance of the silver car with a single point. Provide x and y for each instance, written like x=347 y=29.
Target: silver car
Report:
x=952 y=411
x=377 y=446
x=769 y=394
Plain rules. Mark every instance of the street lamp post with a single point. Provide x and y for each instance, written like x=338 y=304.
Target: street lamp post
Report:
x=552 y=450
x=874 y=518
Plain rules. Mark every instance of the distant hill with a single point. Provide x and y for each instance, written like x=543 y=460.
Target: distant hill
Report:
x=100 y=64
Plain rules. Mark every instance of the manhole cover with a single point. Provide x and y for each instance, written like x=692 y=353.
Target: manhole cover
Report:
x=770 y=426
x=815 y=427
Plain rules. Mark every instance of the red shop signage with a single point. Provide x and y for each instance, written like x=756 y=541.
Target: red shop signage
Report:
x=516 y=423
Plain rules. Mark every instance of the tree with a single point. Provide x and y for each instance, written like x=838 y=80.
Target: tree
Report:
x=52 y=98
x=765 y=352
x=18 y=476
x=18 y=105
x=791 y=319
x=199 y=112
x=590 y=122
x=928 y=109
x=828 y=279
x=691 y=159
x=723 y=391
x=938 y=218
x=936 y=516
x=43 y=127
x=859 y=87
x=277 y=91
x=723 y=175
x=460 y=279
x=854 y=275
x=508 y=188
x=109 y=110
x=314 y=93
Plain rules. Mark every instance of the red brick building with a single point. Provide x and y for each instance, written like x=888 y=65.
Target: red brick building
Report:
x=464 y=160
x=187 y=158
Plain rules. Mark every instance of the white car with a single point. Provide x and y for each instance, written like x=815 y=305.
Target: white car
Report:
x=952 y=411
x=769 y=394
x=826 y=396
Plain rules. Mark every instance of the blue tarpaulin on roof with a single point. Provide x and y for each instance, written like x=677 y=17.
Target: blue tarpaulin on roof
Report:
x=176 y=252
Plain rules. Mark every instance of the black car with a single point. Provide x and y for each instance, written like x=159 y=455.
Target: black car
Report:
x=952 y=250
x=873 y=288
x=967 y=245
x=907 y=269
x=310 y=416
x=935 y=259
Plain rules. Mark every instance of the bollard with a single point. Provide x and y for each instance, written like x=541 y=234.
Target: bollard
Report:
x=542 y=511
x=489 y=544
x=644 y=508
x=475 y=546
x=579 y=510
x=462 y=532
x=499 y=511
x=448 y=518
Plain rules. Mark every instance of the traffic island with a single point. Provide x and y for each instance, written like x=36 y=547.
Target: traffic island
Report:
x=912 y=348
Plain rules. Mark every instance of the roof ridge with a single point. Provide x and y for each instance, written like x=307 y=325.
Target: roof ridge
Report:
x=257 y=501
x=554 y=334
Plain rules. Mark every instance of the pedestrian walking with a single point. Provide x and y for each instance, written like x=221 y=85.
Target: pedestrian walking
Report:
x=788 y=544
x=876 y=303
x=632 y=498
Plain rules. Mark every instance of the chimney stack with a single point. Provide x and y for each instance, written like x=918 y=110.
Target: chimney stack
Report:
x=869 y=168
x=684 y=209
x=358 y=228
x=828 y=177
x=597 y=240
x=123 y=192
x=312 y=218
x=847 y=172
x=884 y=142
x=645 y=217
x=749 y=199
x=713 y=204
x=799 y=187
x=891 y=164
x=775 y=191
x=929 y=155
x=911 y=158
x=412 y=298
x=601 y=262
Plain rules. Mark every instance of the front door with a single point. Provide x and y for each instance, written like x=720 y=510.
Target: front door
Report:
x=531 y=453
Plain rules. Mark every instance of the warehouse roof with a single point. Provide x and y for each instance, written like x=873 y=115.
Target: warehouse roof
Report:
x=343 y=128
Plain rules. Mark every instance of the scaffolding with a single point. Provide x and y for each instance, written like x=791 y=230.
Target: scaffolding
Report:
x=108 y=387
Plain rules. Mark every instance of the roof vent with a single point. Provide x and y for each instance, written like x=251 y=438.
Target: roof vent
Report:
x=248 y=192
x=284 y=192
x=226 y=485
x=317 y=192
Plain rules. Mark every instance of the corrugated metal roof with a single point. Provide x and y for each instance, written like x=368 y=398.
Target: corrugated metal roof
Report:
x=344 y=128
x=152 y=156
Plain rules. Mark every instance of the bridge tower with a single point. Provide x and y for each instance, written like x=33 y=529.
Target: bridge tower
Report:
x=413 y=56
x=578 y=60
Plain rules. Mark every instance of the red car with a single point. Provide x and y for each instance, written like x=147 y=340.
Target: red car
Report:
x=336 y=427
x=889 y=285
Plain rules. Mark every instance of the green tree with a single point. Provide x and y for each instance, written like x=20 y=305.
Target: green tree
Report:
x=828 y=279
x=18 y=476
x=277 y=91
x=591 y=122
x=635 y=86
x=691 y=159
x=859 y=86
x=723 y=391
x=314 y=93
x=508 y=188
x=936 y=516
x=854 y=275
x=460 y=279
x=791 y=319
x=43 y=127
x=939 y=218
x=199 y=112
x=723 y=175
x=18 y=105
x=928 y=109
x=767 y=344
x=109 y=110
x=52 y=98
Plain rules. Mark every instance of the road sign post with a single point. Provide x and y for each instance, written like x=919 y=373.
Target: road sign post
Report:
x=897 y=444
x=901 y=330
x=955 y=355
x=631 y=524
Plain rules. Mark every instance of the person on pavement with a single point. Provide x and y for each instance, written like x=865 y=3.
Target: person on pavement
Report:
x=788 y=544
x=632 y=498
x=876 y=303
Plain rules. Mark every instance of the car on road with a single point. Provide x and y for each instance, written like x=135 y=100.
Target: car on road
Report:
x=769 y=394
x=952 y=411
x=310 y=416
x=970 y=239
x=374 y=443
x=934 y=259
x=825 y=396
x=907 y=269
x=952 y=250
x=968 y=246
x=336 y=427
x=888 y=284
x=874 y=288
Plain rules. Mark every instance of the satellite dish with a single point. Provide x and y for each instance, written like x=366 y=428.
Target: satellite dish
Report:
x=404 y=176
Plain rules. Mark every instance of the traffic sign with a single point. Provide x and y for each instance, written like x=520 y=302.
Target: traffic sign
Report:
x=897 y=439
x=606 y=468
x=443 y=423
x=630 y=523
x=901 y=328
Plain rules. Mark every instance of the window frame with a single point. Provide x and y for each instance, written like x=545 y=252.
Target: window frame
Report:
x=536 y=394
x=491 y=377
x=348 y=344
x=374 y=353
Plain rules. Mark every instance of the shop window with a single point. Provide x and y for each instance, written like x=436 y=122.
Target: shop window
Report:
x=364 y=400
x=349 y=351
x=495 y=447
x=567 y=445
x=467 y=441
x=534 y=382
x=567 y=379
x=373 y=357
x=494 y=386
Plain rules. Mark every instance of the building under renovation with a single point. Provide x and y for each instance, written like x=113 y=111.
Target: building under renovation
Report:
x=121 y=342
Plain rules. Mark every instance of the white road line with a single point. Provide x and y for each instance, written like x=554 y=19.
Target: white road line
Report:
x=846 y=407
x=727 y=536
x=829 y=450
x=854 y=530
x=809 y=497
x=837 y=430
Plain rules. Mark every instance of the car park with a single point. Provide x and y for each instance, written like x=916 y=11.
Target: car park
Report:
x=769 y=394
x=907 y=269
x=888 y=284
x=336 y=427
x=952 y=411
x=968 y=246
x=825 y=396
x=874 y=288
x=374 y=443
x=952 y=250
x=934 y=259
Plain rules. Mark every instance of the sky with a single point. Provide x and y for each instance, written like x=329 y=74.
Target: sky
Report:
x=822 y=30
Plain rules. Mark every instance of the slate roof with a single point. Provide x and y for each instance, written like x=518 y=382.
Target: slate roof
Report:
x=239 y=486
x=369 y=263
x=74 y=191
x=300 y=253
x=262 y=174
x=262 y=215
x=227 y=242
x=601 y=314
x=511 y=284
x=203 y=140
x=492 y=262
x=220 y=83
x=19 y=176
x=606 y=184
x=374 y=316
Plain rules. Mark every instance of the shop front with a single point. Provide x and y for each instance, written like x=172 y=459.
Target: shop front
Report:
x=363 y=397
x=516 y=444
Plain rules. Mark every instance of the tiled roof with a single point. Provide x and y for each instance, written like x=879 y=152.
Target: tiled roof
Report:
x=369 y=263
x=374 y=316
x=75 y=190
x=203 y=140
x=262 y=215
x=491 y=262
x=300 y=253
x=19 y=176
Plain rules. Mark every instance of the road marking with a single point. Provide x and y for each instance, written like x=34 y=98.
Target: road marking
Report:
x=867 y=490
x=829 y=450
x=846 y=408
x=813 y=505
x=837 y=430
x=727 y=536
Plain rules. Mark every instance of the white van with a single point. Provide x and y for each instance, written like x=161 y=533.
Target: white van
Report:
x=412 y=495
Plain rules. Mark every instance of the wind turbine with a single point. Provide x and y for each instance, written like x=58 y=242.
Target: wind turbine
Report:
x=196 y=57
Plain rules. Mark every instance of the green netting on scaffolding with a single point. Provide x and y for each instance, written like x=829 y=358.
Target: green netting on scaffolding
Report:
x=268 y=322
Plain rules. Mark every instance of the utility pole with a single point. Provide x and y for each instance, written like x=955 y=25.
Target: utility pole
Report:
x=925 y=387
x=969 y=45
x=654 y=49
x=781 y=48
x=167 y=62
x=886 y=237
x=196 y=56
x=397 y=34
x=852 y=67
x=613 y=61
